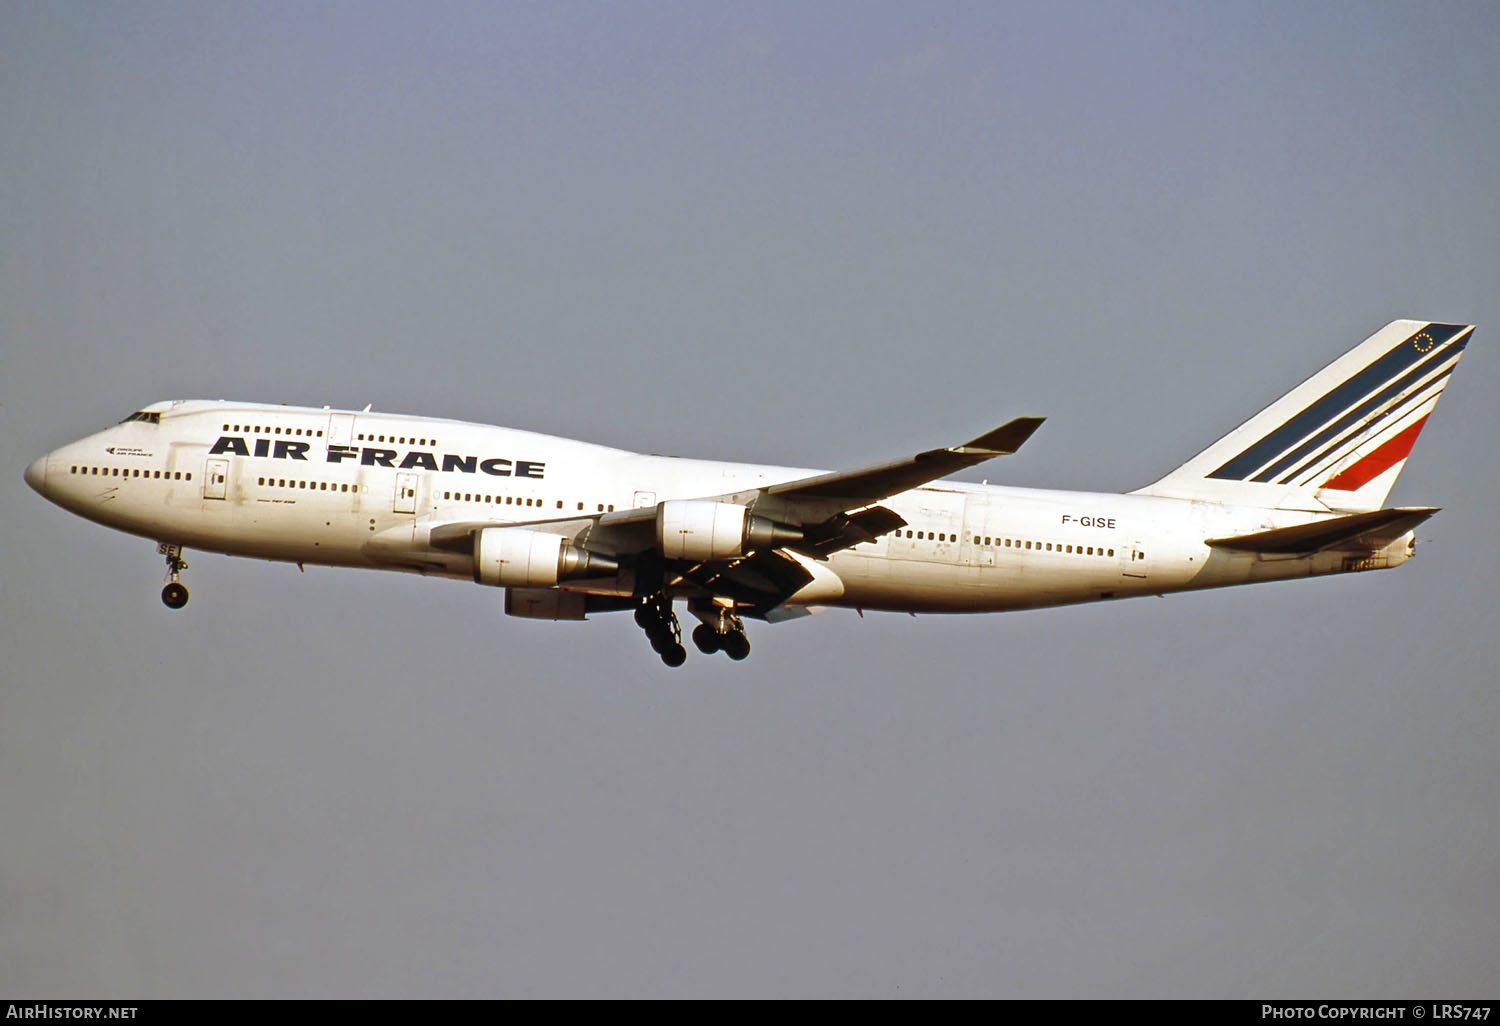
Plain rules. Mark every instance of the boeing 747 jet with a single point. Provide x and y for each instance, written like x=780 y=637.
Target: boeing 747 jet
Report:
x=567 y=528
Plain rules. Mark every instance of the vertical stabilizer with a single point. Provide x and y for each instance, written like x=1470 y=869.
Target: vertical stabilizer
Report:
x=1338 y=440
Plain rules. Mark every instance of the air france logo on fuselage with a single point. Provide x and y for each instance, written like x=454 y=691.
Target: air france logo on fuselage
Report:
x=415 y=459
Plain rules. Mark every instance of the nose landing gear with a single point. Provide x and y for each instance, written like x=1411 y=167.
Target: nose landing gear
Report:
x=175 y=594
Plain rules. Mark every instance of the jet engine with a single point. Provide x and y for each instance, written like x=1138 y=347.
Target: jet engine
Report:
x=514 y=557
x=700 y=529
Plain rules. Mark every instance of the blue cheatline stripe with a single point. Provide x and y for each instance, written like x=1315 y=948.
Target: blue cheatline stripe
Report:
x=1427 y=393
x=1335 y=402
x=1364 y=409
x=1410 y=414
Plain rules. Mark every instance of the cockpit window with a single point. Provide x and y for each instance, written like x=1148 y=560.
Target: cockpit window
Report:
x=149 y=418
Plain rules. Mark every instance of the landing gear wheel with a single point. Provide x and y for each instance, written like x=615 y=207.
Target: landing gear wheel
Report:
x=175 y=594
x=736 y=646
x=654 y=615
x=706 y=638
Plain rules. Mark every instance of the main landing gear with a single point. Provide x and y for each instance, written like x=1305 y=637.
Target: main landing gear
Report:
x=720 y=631
x=654 y=616
x=175 y=594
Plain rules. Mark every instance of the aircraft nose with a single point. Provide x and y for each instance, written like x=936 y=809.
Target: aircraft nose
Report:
x=36 y=475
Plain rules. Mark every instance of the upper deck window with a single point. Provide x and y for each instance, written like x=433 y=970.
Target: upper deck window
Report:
x=149 y=418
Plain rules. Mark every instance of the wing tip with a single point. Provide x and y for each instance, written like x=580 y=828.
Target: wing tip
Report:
x=1005 y=439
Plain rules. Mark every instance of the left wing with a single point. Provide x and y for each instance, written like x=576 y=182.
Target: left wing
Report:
x=839 y=509
x=870 y=484
x=827 y=512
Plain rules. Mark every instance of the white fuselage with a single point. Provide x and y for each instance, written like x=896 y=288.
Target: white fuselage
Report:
x=366 y=489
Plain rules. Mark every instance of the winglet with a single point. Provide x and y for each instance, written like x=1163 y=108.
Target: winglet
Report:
x=1002 y=441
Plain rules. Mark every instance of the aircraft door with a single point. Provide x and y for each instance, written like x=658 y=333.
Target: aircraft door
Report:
x=215 y=479
x=405 y=500
x=645 y=500
x=976 y=523
x=1133 y=560
x=340 y=428
x=938 y=525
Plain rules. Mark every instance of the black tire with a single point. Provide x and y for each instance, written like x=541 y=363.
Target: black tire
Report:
x=706 y=638
x=736 y=646
x=674 y=655
x=174 y=595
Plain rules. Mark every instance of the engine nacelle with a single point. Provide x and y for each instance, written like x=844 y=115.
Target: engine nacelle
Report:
x=700 y=529
x=546 y=604
x=515 y=557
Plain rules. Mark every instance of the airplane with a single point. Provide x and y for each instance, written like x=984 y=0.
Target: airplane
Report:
x=568 y=528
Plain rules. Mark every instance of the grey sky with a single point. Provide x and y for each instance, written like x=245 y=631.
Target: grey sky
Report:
x=806 y=234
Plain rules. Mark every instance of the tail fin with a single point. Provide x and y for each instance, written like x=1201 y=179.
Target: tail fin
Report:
x=1338 y=440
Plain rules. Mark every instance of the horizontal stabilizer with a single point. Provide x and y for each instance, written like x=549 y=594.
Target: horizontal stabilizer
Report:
x=1358 y=530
